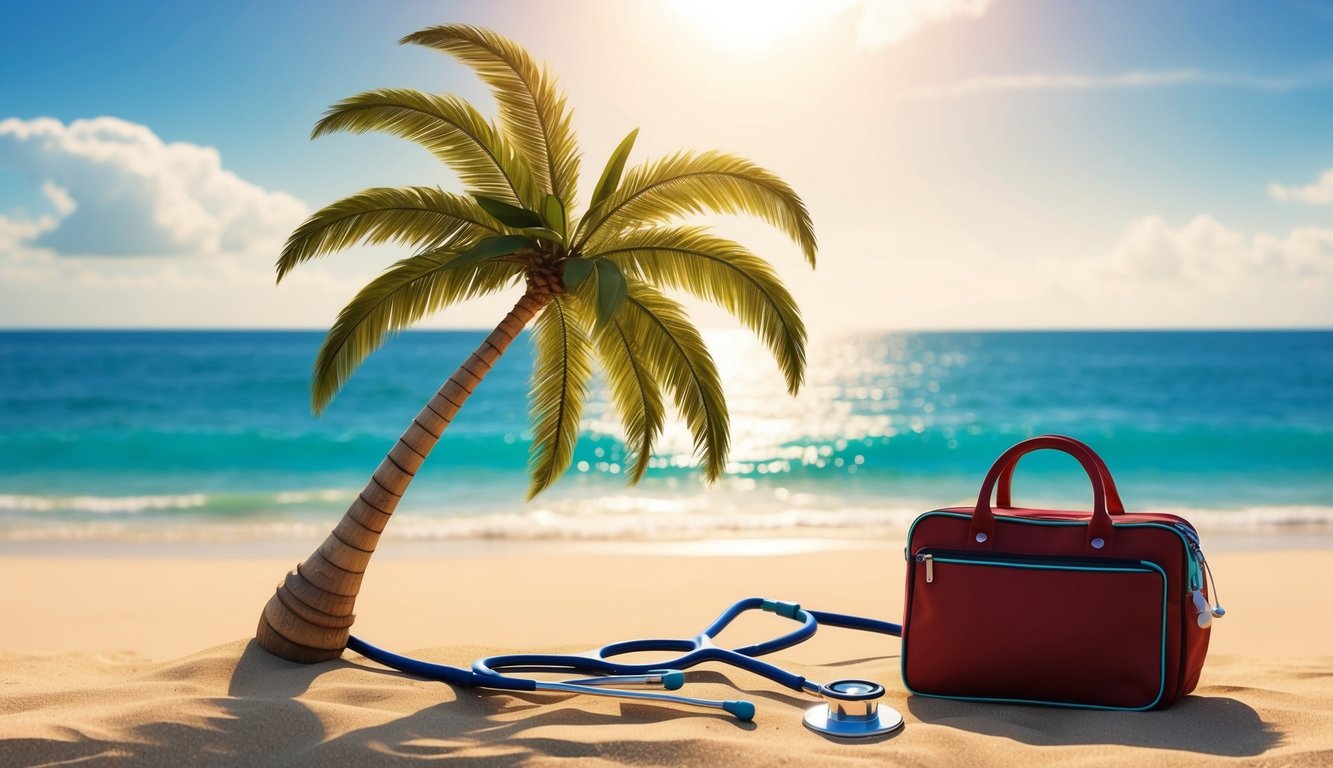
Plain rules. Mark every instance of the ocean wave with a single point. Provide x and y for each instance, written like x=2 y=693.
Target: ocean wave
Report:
x=590 y=525
x=610 y=519
x=307 y=497
x=200 y=504
x=102 y=505
x=1258 y=518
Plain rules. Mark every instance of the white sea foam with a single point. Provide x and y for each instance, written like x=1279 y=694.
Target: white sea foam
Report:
x=100 y=504
x=607 y=519
x=306 y=497
x=128 y=505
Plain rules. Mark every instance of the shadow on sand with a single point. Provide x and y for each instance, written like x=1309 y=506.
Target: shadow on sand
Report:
x=275 y=713
x=1206 y=725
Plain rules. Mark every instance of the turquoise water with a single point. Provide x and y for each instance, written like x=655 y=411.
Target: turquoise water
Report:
x=210 y=433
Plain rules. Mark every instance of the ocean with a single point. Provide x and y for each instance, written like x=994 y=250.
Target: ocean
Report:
x=208 y=435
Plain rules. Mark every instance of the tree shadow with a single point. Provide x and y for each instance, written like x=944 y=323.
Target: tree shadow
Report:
x=256 y=721
x=220 y=708
x=1212 y=725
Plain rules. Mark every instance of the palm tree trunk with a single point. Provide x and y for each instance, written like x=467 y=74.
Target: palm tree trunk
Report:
x=310 y=616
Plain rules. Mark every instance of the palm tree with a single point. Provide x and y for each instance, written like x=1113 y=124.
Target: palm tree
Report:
x=592 y=281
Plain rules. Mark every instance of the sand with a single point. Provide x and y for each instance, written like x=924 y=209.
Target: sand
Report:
x=101 y=663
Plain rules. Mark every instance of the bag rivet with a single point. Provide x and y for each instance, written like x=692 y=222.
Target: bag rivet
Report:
x=981 y=537
x=1098 y=543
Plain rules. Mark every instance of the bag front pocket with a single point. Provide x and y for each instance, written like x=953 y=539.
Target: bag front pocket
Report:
x=1069 y=632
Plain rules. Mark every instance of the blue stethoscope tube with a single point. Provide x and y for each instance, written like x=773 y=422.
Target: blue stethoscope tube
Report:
x=493 y=672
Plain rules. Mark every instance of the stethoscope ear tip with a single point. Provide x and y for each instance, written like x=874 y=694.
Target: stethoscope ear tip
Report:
x=743 y=710
x=672 y=679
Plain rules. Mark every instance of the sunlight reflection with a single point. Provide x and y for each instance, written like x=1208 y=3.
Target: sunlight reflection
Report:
x=859 y=393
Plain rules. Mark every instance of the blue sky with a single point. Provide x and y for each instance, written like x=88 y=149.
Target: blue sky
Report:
x=969 y=163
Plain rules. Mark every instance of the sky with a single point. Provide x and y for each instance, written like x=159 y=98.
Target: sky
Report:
x=975 y=164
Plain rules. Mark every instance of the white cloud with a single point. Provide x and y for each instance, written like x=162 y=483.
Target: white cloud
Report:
x=59 y=198
x=119 y=190
x=1199 y=273
x=195 y=243
x=17 y=231
x=1043 y=81
x=1318 y=192
x=888 y=22
x=1205 y=253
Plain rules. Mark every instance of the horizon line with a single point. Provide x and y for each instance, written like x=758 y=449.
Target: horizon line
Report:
x=1010 y=329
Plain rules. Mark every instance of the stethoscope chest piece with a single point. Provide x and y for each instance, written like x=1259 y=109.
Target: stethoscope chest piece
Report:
x=852 y=711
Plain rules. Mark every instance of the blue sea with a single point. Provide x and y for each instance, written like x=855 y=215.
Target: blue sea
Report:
x=209 y=435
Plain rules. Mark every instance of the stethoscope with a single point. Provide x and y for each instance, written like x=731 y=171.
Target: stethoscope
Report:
x=851 y=707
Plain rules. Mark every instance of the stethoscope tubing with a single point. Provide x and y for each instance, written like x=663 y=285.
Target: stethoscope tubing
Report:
x=439 y=672
x=498 y=667
x=846 y=621
x=491 y=672
x=742 y=710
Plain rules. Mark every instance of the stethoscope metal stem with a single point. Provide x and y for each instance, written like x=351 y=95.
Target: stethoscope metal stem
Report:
x=742 y=710
x=670 y=679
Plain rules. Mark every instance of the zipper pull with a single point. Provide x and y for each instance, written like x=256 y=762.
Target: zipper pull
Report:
x=929 y=560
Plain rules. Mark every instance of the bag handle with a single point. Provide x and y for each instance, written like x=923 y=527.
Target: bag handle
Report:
x=981 y=534
x=1113 y=503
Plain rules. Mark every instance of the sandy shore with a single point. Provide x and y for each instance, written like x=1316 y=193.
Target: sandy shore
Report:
x=100 y=664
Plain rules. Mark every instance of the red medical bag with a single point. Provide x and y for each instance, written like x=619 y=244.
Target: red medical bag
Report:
x=1100 y=609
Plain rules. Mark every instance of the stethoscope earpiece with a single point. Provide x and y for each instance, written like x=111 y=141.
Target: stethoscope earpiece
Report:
x=852 y=711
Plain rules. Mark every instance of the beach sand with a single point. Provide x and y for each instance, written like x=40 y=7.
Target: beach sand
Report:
x=123 y=656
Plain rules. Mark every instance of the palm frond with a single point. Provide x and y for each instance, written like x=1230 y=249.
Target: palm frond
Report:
x=397 y=298
x=634 y=390
x=560 y=379
x=533 y=112
x=419 y=217
x=722 y=272
x=453 y=130
x=615 y=166
x=688 y=183
x=676 y=356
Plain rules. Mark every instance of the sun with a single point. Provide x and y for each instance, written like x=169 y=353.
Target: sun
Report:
x=750 y=25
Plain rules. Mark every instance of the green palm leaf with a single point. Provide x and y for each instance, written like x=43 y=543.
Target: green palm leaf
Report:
x=634 y=391
x=615 y=166
x=508 y=215
x=420 y=217
x=533 y=112
x=724 y=273
x=560 y=379
x=690 y=183
x=397 y=298
x=453 y=130
x=675 y=355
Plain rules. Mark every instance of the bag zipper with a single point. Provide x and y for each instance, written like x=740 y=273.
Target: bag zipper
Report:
x=928 y=557
x=1196 y=566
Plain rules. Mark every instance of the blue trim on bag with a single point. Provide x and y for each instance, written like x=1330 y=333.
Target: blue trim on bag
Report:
x=1161 y=688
